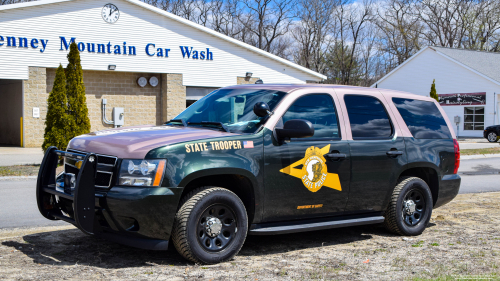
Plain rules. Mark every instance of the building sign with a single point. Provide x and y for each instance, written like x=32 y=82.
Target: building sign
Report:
x=462 y=99
x=150 y=49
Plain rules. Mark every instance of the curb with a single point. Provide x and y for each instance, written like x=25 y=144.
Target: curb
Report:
x=479 y=156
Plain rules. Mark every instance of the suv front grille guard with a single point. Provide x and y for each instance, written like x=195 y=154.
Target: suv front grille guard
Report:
x=83 y=196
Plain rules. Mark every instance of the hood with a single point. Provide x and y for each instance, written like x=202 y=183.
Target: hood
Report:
x=136 y=142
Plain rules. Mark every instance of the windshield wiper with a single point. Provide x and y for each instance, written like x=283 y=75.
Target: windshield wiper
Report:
x=177 y=121
x=219 y=124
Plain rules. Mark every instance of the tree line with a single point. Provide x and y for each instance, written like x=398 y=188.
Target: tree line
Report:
x=352 y=42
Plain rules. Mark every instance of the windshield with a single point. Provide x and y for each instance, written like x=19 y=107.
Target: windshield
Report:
x=230 y=109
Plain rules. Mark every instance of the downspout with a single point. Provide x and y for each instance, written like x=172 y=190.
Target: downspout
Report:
x=495 y=108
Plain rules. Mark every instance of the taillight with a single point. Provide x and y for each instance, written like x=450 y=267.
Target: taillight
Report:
x=457 y=156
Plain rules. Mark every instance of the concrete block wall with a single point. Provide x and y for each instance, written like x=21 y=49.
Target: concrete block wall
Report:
x=143 y=105
x=120 y=89
x=35 y=95
x=173 y=95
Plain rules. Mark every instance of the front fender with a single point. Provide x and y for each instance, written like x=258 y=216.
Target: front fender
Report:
x=187 y=159
x=219 y=171
x=236 y=155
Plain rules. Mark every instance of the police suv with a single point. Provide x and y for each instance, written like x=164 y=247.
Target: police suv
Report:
x=258 y=160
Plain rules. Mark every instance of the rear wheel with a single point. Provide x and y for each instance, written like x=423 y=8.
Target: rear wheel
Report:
x=492 y=136
x=210 y=226
x=410 y=208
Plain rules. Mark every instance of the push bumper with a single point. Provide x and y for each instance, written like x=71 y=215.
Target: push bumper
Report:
x=140 y=217
x=448 y=189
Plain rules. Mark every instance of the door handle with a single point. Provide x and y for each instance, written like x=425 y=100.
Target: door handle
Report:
x=394 y=153
x=335 y=156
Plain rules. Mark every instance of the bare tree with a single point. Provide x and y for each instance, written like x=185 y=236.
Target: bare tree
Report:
x=311 y=33
x=444 y=21
x=368 y=55
x=351 y=20
x=483 y=26
x=267 y=20
x=225 y=18
x=6 y=2
x=400 y=29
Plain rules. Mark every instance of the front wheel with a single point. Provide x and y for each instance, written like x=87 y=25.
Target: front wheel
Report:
x=210 y=226
x=492 y=137
x=410 y=208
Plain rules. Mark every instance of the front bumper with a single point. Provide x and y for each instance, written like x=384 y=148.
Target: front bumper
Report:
x=141 y=217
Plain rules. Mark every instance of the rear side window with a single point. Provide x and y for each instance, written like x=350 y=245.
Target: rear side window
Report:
x=368 y=117
x=319 y=110
x=423 y=118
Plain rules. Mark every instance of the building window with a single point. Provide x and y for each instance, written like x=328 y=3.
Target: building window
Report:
x=474 y=118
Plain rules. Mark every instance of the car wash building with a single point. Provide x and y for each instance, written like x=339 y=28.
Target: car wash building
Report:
x=467 y=83
x=145 y=64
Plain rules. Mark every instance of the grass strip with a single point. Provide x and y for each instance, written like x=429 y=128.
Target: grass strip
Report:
x=19 y=170
x=490 y=150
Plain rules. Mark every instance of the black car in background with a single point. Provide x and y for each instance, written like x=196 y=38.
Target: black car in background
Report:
x=492 y=133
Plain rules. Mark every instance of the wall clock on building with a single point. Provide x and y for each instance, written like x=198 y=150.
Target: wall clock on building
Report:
x=110 y=13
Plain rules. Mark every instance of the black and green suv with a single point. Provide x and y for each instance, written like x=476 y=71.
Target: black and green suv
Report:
x=259 y=160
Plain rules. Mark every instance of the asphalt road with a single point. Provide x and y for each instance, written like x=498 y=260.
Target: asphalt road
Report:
x=480 y=175
x=19 y=208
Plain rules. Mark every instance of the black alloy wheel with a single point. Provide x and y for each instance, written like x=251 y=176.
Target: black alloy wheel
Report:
x=413 y=207
x=492 y=136
x=410 y=208
x=210 y=226
x=217 y=227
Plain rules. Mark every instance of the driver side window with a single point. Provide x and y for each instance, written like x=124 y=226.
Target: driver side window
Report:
x=318 y=109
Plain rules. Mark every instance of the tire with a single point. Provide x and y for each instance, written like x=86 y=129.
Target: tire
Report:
x=210 y=226
x=398 y=219
x=492 y=136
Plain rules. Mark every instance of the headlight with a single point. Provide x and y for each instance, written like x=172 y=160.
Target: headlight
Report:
x=141 y=172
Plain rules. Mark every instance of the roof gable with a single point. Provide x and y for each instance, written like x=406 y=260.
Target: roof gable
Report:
x=486 y=63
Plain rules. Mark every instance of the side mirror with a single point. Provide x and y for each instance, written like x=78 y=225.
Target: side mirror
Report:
x=261 y=109
x=296 y=128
